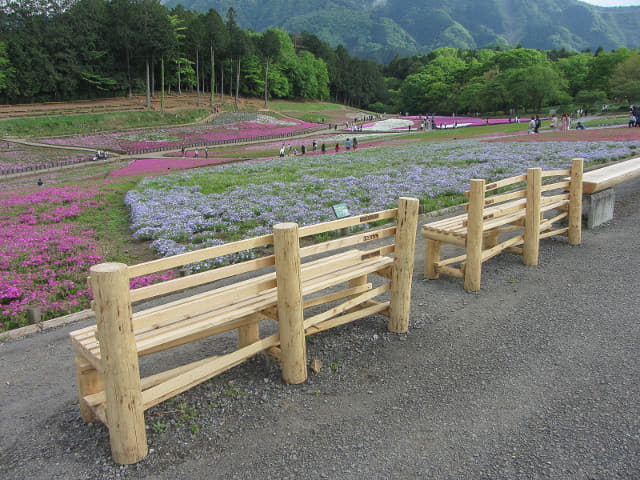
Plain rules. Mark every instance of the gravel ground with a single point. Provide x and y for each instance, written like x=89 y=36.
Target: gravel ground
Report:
x=537 y=376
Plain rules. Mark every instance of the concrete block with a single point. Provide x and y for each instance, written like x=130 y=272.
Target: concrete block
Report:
x=598 y=207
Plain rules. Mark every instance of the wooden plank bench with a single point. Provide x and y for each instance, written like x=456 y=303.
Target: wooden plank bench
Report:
x=524 y=215
x=281 y=286
x=597 y=187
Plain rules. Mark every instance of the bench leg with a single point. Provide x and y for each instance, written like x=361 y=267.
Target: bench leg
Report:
x=357 y=282
x=248 y=334
x=473 y=268
x=89 y=382
x=490 y=239
x=431 y=257
x=123 y=393
x=531 y=245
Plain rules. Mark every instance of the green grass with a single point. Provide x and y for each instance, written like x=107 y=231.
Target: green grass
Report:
x=110 y=221
x=317 y=110
x=95 y=122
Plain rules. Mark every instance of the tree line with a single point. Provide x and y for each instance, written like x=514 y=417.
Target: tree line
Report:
x=82 y=49
x=518 y=79
x=66 y=50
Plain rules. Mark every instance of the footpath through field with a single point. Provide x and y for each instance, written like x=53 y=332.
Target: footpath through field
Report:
x=537 y=376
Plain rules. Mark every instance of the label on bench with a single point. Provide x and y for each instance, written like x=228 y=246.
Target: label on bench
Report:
x=375 y=253
x=371 y=236
x=368 y=218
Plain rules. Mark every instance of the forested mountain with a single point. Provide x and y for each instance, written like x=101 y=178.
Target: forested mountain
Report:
x=380 y=29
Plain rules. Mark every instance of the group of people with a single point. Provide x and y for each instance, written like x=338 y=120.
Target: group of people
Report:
x=564 y=123
x=288 y=149
x=634 y=119
x=100 y=155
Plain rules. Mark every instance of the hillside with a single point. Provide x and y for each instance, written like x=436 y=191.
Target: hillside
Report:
x=380 y=29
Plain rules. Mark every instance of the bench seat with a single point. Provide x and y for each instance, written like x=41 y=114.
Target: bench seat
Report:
x=610 y=176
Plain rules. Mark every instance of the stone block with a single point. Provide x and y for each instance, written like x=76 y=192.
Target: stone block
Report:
x=598 y=207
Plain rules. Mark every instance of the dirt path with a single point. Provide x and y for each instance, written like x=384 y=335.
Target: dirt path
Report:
x=537 y=376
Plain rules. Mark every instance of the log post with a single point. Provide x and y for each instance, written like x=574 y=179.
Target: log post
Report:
x=402 y=271
x=124 y=407
x=575 y=202
x=290 y=311
x=532 y=217
x=473 y=267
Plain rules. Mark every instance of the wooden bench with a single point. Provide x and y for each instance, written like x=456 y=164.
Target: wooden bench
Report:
x=498 y=221
x=281 y=286
x=597 y=186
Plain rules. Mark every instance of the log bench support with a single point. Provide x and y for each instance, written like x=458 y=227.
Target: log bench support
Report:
x=109 y=384
x=598 y=207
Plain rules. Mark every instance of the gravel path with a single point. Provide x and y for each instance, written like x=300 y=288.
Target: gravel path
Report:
x=537 y=376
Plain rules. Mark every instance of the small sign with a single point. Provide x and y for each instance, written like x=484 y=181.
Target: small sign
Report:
x=341 y=210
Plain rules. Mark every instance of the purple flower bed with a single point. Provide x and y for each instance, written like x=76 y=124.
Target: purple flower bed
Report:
x=174 y=212
x=176 y=137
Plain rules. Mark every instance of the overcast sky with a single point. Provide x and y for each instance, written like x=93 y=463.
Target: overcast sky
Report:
x=612 y=3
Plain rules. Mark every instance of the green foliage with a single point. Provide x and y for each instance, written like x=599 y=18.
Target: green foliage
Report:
x=233 y=391
x=159 y=427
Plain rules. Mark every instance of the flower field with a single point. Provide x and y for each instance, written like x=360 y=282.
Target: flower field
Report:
x=176 y=137
x=14 y=155
x=50 y=236
x=45 y=253
x=44 y=259
x=196 y=209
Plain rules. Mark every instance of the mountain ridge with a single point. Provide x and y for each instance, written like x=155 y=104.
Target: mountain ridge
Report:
x=381 y=29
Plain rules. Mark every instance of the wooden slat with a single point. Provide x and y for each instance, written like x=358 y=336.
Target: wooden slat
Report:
x=551 y=233
x=458 y=240
x=450 y=261
x=515 y=250
x=198 y=256
x=452 y=272
x=190 y=281
x=555 y=186
x=493 y=251
x=505 y=182
x=348 y=318
x=206 y=324
x=185 y=307
x=547 y=223
x=346 y=222
x=349 y=304
x=148 y=382
x=504 y=219
x=332 y=297
x=504 y=197
x=347 y=241
x=204 y=371
x=555 y=173
x=87 y=354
